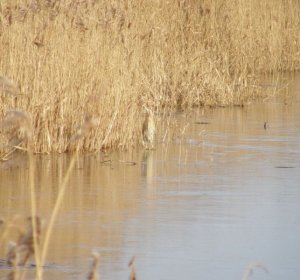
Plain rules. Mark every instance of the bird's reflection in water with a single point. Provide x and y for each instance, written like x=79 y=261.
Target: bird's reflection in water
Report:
x=148 y=167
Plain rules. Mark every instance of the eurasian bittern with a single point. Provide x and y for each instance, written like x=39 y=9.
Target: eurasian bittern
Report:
x=149 y=129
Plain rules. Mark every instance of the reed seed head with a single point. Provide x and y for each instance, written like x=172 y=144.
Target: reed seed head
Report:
x=20 y=252
x=11 y=253
x=83 y=130
x=7 y=87
x=18 y=123
x=250 y=269
x=18 y=130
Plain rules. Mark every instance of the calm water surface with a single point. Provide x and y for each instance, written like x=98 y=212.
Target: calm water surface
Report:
x=221 y=195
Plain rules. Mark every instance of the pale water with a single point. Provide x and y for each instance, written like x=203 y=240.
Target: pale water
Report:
x=224 y=193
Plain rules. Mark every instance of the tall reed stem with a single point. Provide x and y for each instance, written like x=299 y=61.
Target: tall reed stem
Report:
x=36 y=246
x=54 y=214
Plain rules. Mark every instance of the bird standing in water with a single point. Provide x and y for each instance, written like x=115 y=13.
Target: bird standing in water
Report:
x=149 y=129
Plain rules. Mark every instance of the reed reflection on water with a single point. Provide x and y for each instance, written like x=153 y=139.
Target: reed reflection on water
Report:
x=223 y=194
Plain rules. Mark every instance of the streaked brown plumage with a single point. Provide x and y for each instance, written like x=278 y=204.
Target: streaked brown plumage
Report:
x=149 y=129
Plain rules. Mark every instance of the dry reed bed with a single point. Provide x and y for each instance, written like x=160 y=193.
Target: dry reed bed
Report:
x=98 y=64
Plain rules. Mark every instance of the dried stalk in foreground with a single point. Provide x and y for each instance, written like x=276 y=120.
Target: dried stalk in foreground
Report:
x=11 y=257
x=58 y=202
x=132 y=267
x=93 y=274
x=20 y=252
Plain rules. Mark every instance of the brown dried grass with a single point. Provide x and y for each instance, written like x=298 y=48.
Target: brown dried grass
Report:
x=74 y=61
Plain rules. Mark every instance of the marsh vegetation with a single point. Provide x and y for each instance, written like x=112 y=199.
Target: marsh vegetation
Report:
x=106 y=61
x=89 y=76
